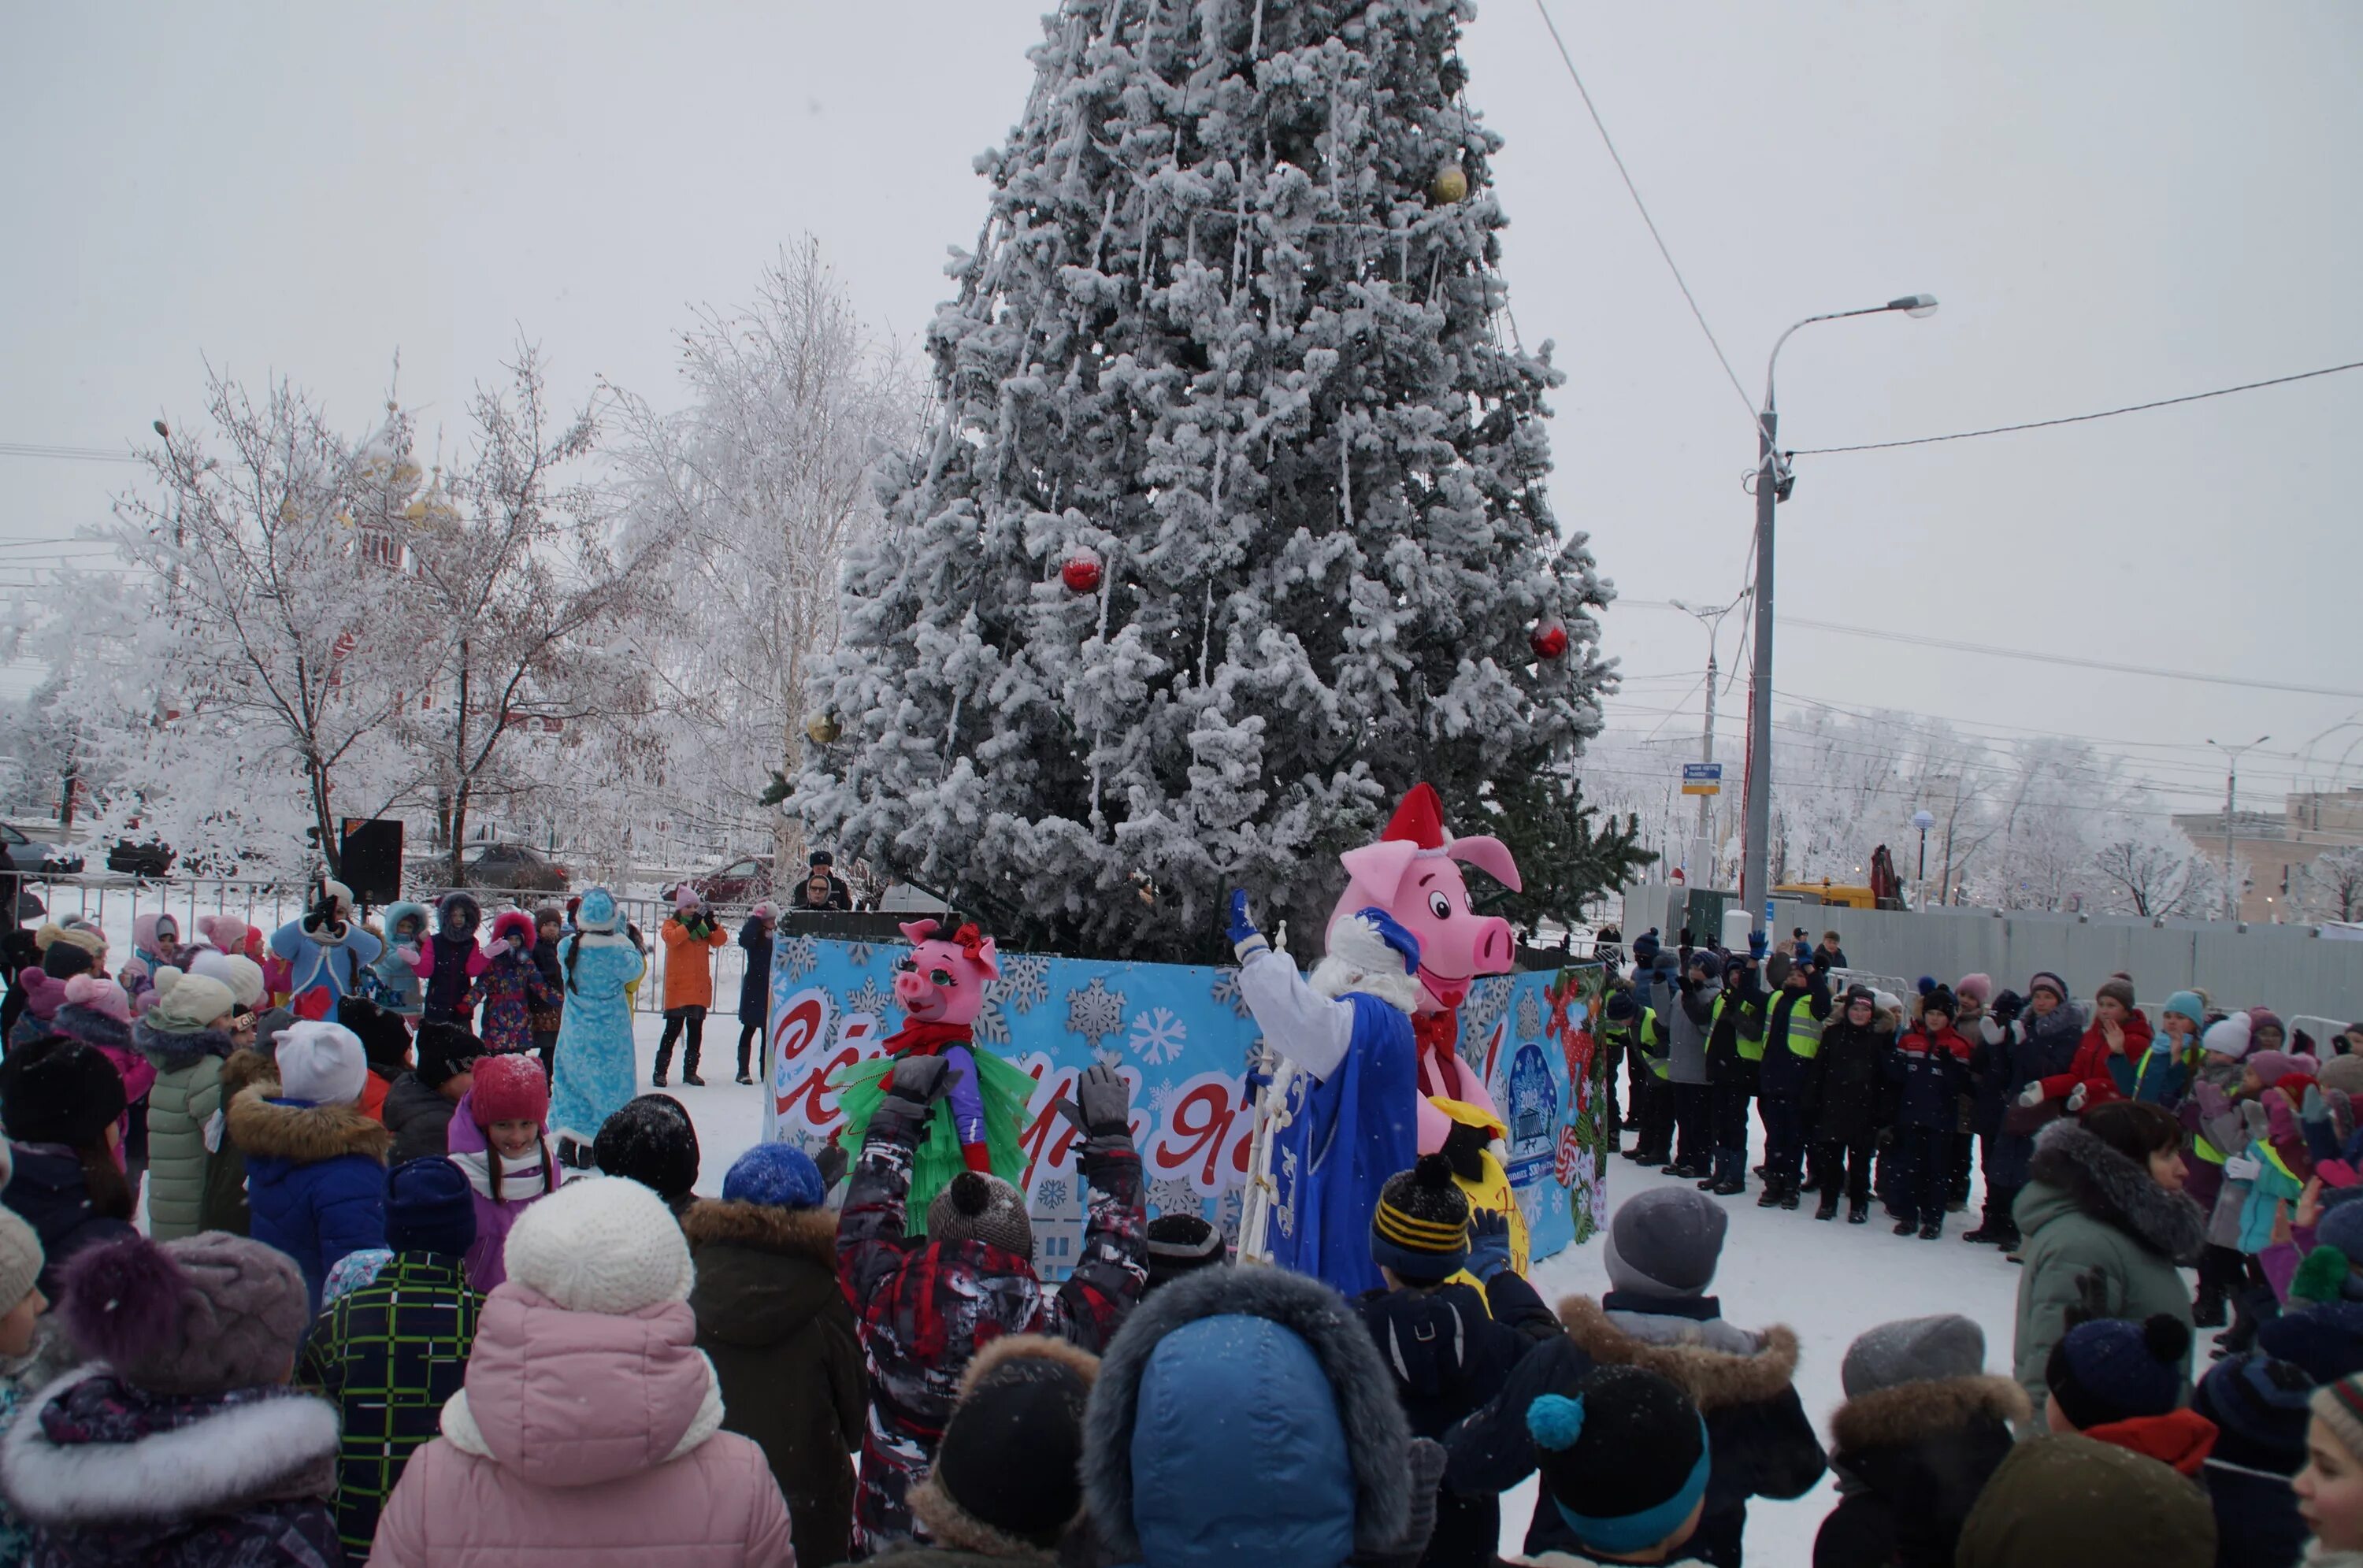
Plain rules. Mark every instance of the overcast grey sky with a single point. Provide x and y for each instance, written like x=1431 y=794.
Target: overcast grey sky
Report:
x=2115 y=202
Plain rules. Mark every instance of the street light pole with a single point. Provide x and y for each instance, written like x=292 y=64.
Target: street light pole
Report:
x=1711 y=617
x=1771 y=481
x=2231 y=799
x=1923 y=819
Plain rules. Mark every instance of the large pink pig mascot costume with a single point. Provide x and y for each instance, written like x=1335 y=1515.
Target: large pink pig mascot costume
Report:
x=940 y=988
x=1412 y=873
x=1402 y=944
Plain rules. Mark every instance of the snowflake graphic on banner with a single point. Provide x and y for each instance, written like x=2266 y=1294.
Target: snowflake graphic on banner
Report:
x=1486 y=997
x=1173 y=1196
x=872 y=999
x=1158 y=1036
x=797 y=955
x=1050 y=1192
x=1096 y=1012
x=1225 y=992
x=1530 y=1017
x=859 y=954
x=1023 y=985
x=1559 y=1200
x=1229 y=1209
x=1163 y=1098
x=992 y=1023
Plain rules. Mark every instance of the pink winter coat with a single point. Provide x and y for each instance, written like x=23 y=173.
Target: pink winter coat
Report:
x=586 y=1440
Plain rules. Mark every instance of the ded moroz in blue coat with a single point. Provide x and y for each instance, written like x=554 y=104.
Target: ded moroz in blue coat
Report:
x=1353 y=1110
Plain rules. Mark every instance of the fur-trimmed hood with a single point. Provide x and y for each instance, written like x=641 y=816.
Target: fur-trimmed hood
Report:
x=1912 y=1412
x=2088 y=1176
x=276 y=1447
x=1277 y=1428
x=267 y=1127
x=92 y=1027
x=1713 y=1378
x=763 y=1272
x=175 y=1053
x=935 y=1507
x=245 y=1067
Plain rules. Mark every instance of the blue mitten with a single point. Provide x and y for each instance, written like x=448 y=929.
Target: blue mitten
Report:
x=1488 y=1242
x=1246 y=940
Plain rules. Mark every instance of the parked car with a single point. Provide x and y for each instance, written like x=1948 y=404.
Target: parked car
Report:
x=512 y=866
x=744 y=881
x=31 y=857
x=149 y=860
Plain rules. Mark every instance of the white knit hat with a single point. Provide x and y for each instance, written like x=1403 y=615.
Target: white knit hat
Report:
x=242 y=975
x=2227 y=1036
x=321 y=1062
x=601 y=1244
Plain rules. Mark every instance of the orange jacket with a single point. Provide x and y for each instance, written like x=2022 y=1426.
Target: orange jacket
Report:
x=689 y=964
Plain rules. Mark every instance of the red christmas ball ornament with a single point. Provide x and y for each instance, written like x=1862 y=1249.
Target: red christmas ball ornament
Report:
x=1548 y=640
x=1082 y=572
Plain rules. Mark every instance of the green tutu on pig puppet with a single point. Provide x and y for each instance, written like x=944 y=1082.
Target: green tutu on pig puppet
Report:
x=940 y=988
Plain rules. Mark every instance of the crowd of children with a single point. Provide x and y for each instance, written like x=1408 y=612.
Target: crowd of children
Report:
x=383 y=1312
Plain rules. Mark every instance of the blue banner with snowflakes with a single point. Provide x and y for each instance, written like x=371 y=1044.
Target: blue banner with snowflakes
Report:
x=1181 y=1037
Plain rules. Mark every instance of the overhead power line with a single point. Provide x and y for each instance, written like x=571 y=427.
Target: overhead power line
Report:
x=1643 y=208
x=69 y=454
x=2033 y=657
x=2078 y=418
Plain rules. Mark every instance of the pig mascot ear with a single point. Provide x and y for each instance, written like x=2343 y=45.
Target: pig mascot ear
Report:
x=1489 y=856
x=918 y=930
x=1380 y=867
x=983 y=954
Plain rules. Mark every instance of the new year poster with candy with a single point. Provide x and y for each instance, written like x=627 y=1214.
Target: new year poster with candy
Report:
x=1181 y=1037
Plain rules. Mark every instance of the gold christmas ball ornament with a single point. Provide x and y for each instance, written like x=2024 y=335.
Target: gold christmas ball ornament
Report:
x=824 y=729
x=1450 y=185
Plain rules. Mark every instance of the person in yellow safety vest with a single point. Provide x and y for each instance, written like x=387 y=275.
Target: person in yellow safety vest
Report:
x=1646 y=1037
x=1478 y=1173
x=1792 y=1038
x=1735 y=1048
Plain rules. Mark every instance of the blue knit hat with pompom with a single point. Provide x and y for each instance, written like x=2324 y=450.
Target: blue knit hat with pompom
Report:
x=778 y=1176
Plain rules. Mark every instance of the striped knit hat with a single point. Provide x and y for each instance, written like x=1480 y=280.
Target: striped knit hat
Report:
x=2340 y=1406
x=1420 y=1228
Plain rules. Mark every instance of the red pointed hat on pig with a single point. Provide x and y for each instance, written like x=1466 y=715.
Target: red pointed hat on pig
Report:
x=1412 y=872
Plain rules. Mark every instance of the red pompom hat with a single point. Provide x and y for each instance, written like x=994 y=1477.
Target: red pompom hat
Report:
x=509 y=1088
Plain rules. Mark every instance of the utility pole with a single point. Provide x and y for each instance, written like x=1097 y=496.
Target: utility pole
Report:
x=1771 y=481
x=1711 y=617
x=2231 y=801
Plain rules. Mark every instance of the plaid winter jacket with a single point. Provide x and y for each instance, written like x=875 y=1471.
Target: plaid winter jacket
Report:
x=925 y=1307
x=388 y=1356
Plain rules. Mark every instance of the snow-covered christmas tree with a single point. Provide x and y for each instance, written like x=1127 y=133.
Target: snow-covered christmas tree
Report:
x=1232 y=525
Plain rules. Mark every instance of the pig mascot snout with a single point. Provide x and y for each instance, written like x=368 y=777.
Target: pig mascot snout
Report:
x=1413 y=873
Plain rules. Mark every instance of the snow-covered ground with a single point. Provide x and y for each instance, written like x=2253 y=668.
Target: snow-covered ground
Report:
x=1828 y=1282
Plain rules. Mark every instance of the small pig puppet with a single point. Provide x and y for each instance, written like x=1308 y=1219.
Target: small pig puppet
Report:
x=1413 y=874
x=940 y=988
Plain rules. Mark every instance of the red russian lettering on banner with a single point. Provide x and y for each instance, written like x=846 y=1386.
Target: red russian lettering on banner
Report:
x=1204 y=1137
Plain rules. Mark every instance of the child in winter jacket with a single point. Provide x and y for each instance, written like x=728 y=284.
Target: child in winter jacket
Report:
x=1661 y=1252
x=2258 y=1407
x=2215 y=1132
x=589 y=1431
x=1922 y=1429
x=315 y=1164
x=390 y=1353
x=1450 y=1346
x=2330 y=1488
x=550 y=1017
x=97 y=1013
x=1626 y=1461
x=385 y=1050
x=453 y=962
x=179 y=1444
x=651 y=1140
x=2123 y=1383
x=1927 y=1075
x=327 y=952
x=927 y=1305
x=1845 y=1096
x=498 y=1137
x=511 y=989
x=419 y=1104
x=771 y=1318
x=755 y=984
x=155 y=942
x=60 y=1102
x=392 y=982
x=1793 y=1024
x=69 y=947
x=690 y=936
x=184 y=1036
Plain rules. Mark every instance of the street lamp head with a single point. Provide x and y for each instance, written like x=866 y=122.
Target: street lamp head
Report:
x=1923 y=819
x=1914 y=306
